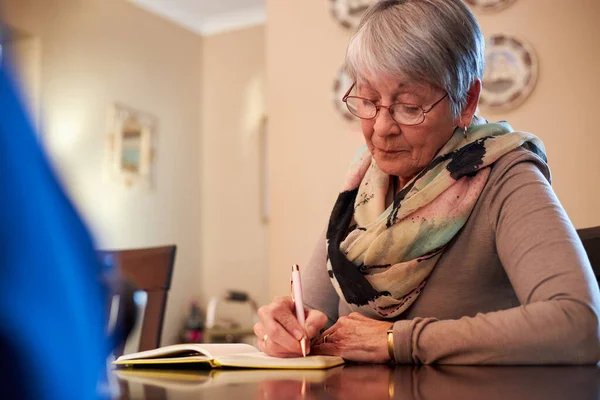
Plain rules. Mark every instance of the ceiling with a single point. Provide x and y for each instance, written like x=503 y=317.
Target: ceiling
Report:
x=207 y=17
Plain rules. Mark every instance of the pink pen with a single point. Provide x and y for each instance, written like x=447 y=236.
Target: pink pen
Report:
x=297 y=296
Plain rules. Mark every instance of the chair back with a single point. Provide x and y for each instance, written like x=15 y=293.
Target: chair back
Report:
x=150 y=270
x=591 y=242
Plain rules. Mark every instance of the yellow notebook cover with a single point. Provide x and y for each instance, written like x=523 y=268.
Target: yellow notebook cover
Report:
x=218 y=355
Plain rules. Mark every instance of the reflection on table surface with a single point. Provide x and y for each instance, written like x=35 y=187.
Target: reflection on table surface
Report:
x=365 y=382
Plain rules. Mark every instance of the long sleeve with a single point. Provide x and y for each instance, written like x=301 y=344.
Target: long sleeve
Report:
x=318 y=291
x=557 y=321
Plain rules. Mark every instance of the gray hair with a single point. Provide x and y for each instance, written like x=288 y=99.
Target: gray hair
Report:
x=432 y=41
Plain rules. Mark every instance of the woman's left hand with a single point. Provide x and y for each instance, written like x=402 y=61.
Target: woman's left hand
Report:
x=355 y=338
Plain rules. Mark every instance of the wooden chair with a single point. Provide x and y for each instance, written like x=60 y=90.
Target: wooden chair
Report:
x=591 y=242
x=150 y=270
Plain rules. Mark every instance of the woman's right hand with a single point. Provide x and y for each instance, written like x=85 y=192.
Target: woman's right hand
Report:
x=279 y=331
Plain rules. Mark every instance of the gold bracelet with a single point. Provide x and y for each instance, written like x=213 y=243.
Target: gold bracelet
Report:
x=390 y=340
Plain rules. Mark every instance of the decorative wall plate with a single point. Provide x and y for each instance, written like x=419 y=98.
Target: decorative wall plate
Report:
x=510 y=75
x=489 y=5
x=349 y=12
x=341 y=84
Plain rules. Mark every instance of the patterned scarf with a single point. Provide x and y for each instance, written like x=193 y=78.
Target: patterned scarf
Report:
x=379 y=258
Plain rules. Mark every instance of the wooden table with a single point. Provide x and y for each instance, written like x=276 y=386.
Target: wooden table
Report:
x=365 y=382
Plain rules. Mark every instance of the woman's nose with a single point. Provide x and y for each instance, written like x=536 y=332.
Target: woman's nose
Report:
x=385 y=124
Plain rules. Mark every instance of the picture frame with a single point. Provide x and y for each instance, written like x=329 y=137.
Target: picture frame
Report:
x=130 y=146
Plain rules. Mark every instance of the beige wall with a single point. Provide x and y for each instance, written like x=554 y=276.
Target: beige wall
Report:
x=233 y=235
x=26 y=54
x=562 y=110
x=94 y=53
x=310 y=145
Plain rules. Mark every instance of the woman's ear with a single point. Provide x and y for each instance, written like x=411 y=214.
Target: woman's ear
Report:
x=472 y=101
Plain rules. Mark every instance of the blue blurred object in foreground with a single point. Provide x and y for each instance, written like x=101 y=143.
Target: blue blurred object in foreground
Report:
x=52 y=302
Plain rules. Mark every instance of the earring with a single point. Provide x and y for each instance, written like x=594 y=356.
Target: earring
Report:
x=465 y=131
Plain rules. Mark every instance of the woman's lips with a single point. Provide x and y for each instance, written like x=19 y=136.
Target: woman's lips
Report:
x=390 y=151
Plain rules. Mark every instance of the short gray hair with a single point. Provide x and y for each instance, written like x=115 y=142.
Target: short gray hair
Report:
x=432 y=41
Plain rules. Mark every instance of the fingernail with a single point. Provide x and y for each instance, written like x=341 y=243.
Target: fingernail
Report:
x=298 y=334
x=311 y=331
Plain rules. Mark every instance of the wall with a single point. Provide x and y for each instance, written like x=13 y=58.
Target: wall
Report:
x=94 y=53
x=25 y=52
x=310 y=145
x=562 y=108
x=233 y=234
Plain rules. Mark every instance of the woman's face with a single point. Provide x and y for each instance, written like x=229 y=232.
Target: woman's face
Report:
x=401 y=150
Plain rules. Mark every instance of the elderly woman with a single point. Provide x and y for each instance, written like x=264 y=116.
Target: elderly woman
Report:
x=447 y=243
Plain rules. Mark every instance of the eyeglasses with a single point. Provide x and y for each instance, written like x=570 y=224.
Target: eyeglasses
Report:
x=402 y=113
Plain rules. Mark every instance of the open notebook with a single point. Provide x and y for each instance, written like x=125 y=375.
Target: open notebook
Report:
x=217 y=355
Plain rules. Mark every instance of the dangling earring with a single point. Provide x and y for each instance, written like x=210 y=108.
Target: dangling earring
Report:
x=465 y=131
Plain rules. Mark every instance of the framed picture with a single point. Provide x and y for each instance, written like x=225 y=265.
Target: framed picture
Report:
x=130 y=146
